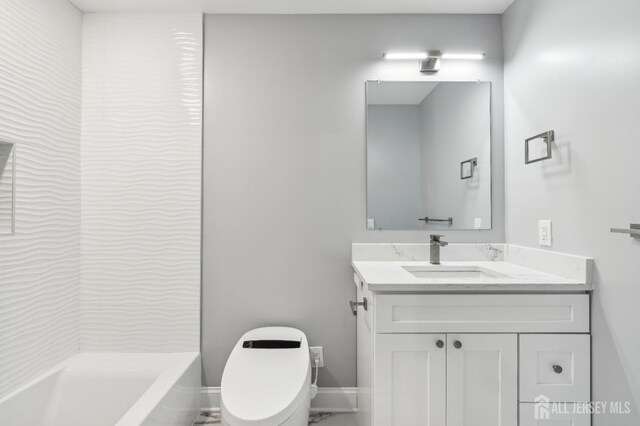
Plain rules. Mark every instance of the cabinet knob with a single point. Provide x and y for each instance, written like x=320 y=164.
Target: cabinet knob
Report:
x=439 y=343
x=457 y=344
x=557 y=369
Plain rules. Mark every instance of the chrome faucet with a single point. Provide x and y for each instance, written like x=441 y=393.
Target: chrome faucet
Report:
x=434 y=252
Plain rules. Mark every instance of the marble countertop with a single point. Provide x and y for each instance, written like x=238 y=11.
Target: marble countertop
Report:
x=523 y=271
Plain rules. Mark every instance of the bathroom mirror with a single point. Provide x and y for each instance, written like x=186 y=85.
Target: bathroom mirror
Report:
x=428 y=155
x=7 y=185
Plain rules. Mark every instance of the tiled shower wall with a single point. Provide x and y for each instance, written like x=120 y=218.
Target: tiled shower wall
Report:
x=136 y=284
x=40 y=69
x=141 y=174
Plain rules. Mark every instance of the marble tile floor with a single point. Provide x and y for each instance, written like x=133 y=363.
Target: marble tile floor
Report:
x=322 y=419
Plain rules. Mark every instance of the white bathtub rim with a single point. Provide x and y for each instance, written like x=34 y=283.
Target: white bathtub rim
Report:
x=145 y=405
x=39 y=378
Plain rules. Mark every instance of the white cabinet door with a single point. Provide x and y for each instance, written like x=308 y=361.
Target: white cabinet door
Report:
x=482 y=379
x=409 y=380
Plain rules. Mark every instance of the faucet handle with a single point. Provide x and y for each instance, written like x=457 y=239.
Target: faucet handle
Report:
x=435 y=237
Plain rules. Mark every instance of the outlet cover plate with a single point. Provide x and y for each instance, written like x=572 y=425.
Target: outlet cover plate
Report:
x=544 y=233
x=316 y=351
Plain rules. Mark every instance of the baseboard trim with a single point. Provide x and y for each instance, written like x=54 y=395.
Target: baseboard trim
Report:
x=334 y=400
x=210 y=398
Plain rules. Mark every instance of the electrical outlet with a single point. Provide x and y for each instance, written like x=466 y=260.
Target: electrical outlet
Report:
x=316 y=354
x=371 y=224
x=544 y=232
x=477 y=223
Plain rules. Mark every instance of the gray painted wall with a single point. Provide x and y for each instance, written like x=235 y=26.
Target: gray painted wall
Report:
x=455 y=127
x=393 y=165
x=284 y=166
x=573 y=66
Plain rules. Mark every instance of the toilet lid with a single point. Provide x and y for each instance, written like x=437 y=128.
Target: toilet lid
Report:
x=265 y=381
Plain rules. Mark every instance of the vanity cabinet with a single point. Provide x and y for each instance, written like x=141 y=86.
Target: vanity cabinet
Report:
x=470 y=359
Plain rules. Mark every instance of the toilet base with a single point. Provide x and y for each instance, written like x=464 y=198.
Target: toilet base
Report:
x=299 y=418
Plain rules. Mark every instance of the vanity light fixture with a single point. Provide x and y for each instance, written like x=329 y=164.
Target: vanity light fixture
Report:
x=405 y=55
x=430 y=60
x=463 y=56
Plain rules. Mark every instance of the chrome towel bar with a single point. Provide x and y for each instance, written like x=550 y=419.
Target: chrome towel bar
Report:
x=547 y=139
x=633 y=232
x=430 y=219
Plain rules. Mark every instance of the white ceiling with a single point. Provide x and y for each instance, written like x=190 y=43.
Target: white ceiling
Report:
x=295 y=6
x=398 y=93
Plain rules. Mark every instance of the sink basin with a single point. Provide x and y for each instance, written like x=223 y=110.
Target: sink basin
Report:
x=443 y=271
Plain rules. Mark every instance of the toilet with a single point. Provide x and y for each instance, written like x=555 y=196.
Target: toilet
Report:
x=267 y=379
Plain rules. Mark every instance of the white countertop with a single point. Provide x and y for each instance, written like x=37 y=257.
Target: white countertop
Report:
x=565 y=273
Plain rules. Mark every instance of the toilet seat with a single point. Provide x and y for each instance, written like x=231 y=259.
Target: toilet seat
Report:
x=266 y=386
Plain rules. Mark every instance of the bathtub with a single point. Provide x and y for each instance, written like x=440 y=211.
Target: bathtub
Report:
x=107 y=389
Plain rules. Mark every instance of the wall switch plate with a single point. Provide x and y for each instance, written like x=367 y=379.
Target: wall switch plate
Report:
x=477 y=223
x=316 y=353
x=544 y=232
x=371 y=224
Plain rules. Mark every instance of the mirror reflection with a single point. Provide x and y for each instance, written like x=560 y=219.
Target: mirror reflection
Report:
x=428 y=155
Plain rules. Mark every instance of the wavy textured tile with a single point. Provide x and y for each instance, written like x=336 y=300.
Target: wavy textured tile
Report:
x=141 y=154
x=40 y=74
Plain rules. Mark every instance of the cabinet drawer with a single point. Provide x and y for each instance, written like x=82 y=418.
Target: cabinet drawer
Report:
x=566 y=415
x=501 y=313
x=556 y=366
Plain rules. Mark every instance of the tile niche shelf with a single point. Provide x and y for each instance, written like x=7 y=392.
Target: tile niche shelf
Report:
x=7 y=187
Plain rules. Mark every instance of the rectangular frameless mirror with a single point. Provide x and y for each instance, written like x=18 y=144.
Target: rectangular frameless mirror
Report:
x=7 y=187
x=428 y=155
